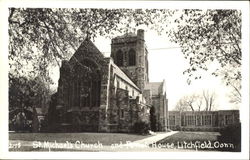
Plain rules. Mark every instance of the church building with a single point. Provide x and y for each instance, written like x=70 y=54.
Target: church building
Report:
x=108 y=94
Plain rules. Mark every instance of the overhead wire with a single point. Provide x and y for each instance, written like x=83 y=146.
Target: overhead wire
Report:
x=154 y=49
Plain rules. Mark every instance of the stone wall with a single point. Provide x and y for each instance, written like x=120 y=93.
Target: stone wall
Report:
x=83 y=90
x=148 y=96
x=163 y=112
x=156 y=104
x=123 y=110
x=160 y=104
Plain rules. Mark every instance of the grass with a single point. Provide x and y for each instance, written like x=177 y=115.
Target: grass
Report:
x=210 y=139
x=108 y=139
x=104 y=138
x=191 y=136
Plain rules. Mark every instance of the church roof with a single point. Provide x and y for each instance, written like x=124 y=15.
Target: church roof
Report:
x=86 y=47
x=155 y=87
x=123 y=76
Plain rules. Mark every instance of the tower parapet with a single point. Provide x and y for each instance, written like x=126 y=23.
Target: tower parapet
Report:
x=130 y=54
x=140 y=34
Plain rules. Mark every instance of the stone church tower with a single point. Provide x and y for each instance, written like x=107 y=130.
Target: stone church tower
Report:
x=130 y=54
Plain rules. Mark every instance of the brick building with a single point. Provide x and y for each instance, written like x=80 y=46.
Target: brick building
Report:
x=108 y=94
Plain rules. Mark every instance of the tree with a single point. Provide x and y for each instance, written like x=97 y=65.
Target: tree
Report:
x=40 y=38
x=209 y=98
x=181 y=105
x=189 y=103
x=234 y=84
x=235 y=95
x=25 y=93
x=197 y=102
x=209 y=36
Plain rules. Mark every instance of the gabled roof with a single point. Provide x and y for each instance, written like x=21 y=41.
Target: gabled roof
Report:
x=86 y=47
x=155 y=87
x=123 y=76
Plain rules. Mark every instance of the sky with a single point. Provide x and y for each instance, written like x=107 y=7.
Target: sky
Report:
x=166 y=61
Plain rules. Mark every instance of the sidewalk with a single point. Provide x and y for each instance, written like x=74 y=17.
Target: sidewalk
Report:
x=144 y=143
x=157 y=137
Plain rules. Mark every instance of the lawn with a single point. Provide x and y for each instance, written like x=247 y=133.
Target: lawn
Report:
x=201 y=141
x=104 y=138
x=191 y=136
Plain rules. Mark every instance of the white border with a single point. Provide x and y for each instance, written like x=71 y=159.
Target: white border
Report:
x=244 y=112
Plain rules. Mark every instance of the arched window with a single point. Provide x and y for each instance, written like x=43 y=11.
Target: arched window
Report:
x=132 y=58
x=95 y=89
x=119 y=58
x=86 y=85
x=76 y=87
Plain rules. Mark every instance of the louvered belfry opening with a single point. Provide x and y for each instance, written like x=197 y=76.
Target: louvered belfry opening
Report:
x=131 y=57
x=119 y=58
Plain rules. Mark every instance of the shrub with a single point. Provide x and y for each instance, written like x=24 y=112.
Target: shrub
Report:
x=141 y=127
x=231 y=134
x=178 y=128
x=44 y=125
x=20 y=123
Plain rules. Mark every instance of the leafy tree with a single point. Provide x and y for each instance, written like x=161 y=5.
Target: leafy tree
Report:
x=233 y=83
x=40 y=37
x=208 y=36
x=211 y=37
x=25 y=93
x=235 y=95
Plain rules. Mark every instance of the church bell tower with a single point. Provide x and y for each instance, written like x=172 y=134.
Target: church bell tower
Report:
x=130 y=54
